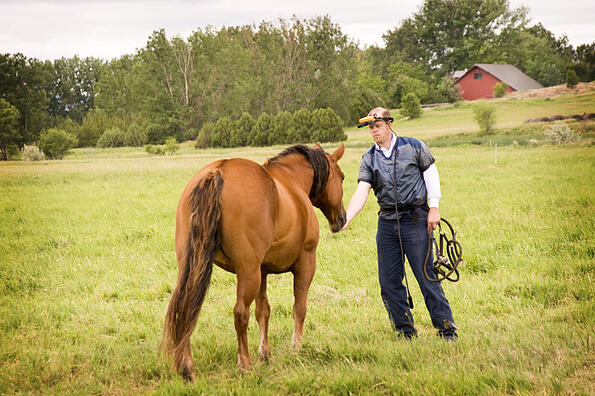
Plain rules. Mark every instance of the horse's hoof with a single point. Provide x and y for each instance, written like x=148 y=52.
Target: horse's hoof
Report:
x=188 y=374
x=264 y=354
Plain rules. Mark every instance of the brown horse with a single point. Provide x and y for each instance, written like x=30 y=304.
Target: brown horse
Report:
x=251 y=220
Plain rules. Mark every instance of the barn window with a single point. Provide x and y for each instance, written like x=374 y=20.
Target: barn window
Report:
x=477 y=76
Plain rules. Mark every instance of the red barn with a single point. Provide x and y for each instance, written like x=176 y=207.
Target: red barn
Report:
x=478 y=82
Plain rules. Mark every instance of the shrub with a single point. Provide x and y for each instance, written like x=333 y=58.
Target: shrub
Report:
x=241 y=130
x=135 y=136
x=113 y=137
x=221 y=134
x=154 y=150
x=55 y=143
x=149 y=148
x=571 y=78
x=33 y=153
x=301 y=124
x=411 y=106
x=485 y=116
x=500 y=89
x=282 y=129
x=263 y=130
x=203 y=140
x=171 y=146
x=327 y=126
x=560 y=133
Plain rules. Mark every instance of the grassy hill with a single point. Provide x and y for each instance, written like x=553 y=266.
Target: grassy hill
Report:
x=458 y=118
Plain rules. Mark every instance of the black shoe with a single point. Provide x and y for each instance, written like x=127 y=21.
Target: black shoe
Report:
x=407 y=334
x=451 y=337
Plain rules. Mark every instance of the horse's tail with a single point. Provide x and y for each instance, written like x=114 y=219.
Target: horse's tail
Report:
x=194 y=274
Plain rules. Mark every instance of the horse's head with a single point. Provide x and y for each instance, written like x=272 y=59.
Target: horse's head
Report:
x=330 y=199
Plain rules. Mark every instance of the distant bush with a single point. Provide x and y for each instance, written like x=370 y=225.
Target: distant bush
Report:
x=154 y=150
x=282 y=128
x=203 y=140
x=221 y=134
x=135 y=136
x=113 y=137
x=500 y=89
x=327 y=126
x=560 y=133
x=485 y=116
x=262 y=131
x=411 y=106
x=171 y=146
x=33 y=153
x=571 y=78
x=301 y=123
x=55 y=143
x=241 y=130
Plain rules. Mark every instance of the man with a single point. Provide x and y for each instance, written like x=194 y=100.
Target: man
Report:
x=418 y=186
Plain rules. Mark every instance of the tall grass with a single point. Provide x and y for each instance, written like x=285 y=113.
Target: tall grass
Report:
x=87 y=266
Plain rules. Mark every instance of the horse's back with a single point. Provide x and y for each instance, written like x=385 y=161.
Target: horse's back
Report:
x=249 y=204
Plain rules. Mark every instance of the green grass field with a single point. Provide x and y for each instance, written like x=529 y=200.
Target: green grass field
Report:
x=87 y=266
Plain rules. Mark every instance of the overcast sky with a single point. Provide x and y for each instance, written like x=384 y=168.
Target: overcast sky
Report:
x=109 y=29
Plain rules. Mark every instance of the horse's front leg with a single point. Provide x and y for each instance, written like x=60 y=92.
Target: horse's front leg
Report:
x=247 y=289
x=262 y=313
x=303 y=273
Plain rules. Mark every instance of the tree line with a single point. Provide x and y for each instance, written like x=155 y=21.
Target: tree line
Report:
x=178 y=87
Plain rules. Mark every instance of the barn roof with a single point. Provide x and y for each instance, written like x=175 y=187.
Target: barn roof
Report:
x=509 y=74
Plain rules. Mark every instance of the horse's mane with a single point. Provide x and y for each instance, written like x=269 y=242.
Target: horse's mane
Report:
x=317 y=159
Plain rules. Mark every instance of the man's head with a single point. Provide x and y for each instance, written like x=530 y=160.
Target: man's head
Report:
x=380 y=124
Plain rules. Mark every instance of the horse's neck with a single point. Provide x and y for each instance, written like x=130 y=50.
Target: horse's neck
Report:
x=294 y=172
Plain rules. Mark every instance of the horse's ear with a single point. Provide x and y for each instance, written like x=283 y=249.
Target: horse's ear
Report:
x=317 y=145
x=336 y=156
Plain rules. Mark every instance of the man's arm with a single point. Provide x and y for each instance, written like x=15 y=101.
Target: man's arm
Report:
x=432 y=181
x=358 y=200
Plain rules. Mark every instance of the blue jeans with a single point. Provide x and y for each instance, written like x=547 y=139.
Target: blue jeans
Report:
x=414 y=235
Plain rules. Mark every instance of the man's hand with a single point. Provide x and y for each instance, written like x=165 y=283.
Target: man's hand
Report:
x=433 y=219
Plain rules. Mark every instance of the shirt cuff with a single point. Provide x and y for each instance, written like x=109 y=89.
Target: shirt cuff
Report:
x=433 y=202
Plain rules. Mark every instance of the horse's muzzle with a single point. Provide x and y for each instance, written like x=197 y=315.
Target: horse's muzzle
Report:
x=339 y=223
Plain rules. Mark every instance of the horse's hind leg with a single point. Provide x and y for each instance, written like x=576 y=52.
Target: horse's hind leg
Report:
x=262 y=313
x=302 y=278
x=247 y=289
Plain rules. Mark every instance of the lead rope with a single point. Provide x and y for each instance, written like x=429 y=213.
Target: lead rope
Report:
x=410 y=299
x=445 y=265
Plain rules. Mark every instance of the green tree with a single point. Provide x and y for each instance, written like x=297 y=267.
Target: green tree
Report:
x=571 y=78
x=448 y=36
x=25 y=84
x=411 y=106
x=485 y=116
x=72 y=92
x=9 y=130
x=56 y=143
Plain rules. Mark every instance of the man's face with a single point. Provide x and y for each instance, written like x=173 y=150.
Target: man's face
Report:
x=380 y=131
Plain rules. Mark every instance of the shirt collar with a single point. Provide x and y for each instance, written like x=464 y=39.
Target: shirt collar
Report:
x=389 y=150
